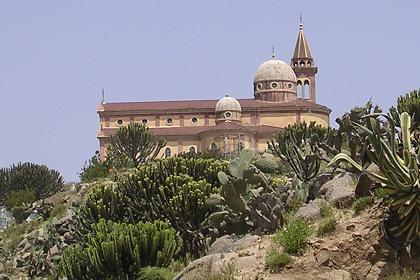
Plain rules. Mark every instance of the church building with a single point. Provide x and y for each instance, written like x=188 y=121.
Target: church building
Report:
x=283 y=94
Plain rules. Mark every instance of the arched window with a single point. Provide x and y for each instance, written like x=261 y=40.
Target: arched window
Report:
x=306 y=90
x=302 y=63
x=192 y=150
x=299 y=89
x=168 y=152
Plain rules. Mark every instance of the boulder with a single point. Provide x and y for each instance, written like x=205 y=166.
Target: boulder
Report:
x=317 y=183
x=310 y=211
x=224 y=244
x=340 y=191
x=337 y=274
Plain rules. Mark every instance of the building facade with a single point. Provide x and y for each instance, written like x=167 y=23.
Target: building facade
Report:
x=283 y=94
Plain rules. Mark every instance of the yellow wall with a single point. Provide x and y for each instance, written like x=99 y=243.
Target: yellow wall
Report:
x=318 y=118
x=277 y=119
x=262 y=144
x=175 y=121
x=246 y=118
x=187 y=120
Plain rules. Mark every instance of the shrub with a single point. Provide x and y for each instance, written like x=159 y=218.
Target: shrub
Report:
x=29 y=176
x=18 y=203
x=94 y=169
x=361 y=203
x=58 y=211
x=120 y=251
x=12 y=236
x=266 y=165
x=276 y=261
x=294 y=238
x=406 y=274
x=380 y=193
x=326 y=226
x=156 y=273
x=326 y=209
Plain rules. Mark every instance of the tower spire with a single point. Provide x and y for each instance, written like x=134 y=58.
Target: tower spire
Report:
x=300 y=21
x=273 y=53
x=301 y=48
x=103 y=97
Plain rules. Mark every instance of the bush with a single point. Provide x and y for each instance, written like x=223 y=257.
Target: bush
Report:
x=29 y=176
x=326 y=209
x=326 y=226
x=406 y=274
x=94 y=169
x=276 y=261
x=120 y=251
x=380 y=193
x=18 y=203
x=294 y=238
x=12 y=236
x=58 y=211
x=156 y=273
x=361 y=203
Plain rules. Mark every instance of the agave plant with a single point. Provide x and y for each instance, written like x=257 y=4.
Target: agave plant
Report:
x=399 y=166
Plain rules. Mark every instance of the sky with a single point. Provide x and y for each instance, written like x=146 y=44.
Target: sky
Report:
x=56 y=56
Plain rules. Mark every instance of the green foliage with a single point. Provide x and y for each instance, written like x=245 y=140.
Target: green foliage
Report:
x=362 y=203
x=409 y=103
x=12 y=236
x=297 y=197
x=101 y=202
x=29 y=176
x=19 y=198
x=326 y=209
x=174 y=189
x=134 y=144
x=120 y=251
x=380 y=193
x=245 y=200
x=300 y=146
x=406 y=274
x=58 y=211
x=266 y=165
x=326 y=225
x=156 y=273
x=276 y=261
x=294 y=238
x=278 y=181
x=94 y=169
x=399 y=164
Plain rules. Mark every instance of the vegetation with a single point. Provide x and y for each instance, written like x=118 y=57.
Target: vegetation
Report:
x=58 y=211
x=245 y=200
x=326 y=209
x=300 y=146
x=399 y=163
x=134 y=144
x=276 y=261
x=294 y=237
x=29 y=176
x=326 y=225
x=361 y=203
x=207 y=273
x=409 y=103
x=406 y=274
x=156 y=273
x=94 y=169
x=121 y=251
x=18 y=203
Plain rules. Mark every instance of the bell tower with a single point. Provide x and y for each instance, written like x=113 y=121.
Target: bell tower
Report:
x=303 y=65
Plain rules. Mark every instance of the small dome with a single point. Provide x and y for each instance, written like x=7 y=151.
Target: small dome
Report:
x=228 y=103
x=274 y=69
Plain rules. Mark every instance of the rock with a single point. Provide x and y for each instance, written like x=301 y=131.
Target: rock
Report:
x=246 y=241
x=67 y=237
x=6 y=218
x=224 y=244
x=4 y=277
x=27 y=246
x=322 y=257
x=340 y=190
x=377 y=271
x=26 y=256
x=310 y=211
x=54 y=251
x=1 y=267
x=338 y=274
x=317 y=183
x=201 y=262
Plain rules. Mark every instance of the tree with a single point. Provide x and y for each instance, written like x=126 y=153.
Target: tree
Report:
x=94 y=169
x=134 y=144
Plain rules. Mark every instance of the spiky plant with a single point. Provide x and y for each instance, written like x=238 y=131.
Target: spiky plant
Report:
x=399 y=166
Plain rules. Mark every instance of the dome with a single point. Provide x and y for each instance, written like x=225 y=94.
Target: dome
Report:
x=274 y=69
x=228 y=103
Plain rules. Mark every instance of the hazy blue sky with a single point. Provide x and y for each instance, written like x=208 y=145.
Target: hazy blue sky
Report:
x=55 y=56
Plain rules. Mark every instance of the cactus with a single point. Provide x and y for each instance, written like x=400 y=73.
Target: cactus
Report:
x=399 y=164
x=174 y=189
x=266 y=165
x=240 y=207
x=301 y=145
x=121 y=251
x=409 y=103
x=45 y=182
